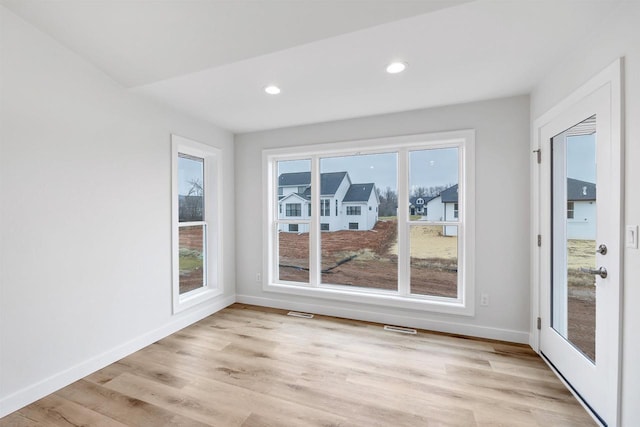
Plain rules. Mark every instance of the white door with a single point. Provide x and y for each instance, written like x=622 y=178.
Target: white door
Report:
x=580 y=253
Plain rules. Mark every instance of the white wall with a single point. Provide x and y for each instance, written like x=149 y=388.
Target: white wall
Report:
x=618 y=36
x=85 y=220
x=502 y=139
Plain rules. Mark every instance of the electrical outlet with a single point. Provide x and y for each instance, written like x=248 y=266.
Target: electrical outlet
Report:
x=258 y=277
x=484 y=300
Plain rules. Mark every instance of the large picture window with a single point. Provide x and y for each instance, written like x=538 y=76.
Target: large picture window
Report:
x=381 y=247
x=196 y=241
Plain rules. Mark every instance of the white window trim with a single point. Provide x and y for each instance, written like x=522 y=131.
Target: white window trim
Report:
x=463 y=139
x=213 y=220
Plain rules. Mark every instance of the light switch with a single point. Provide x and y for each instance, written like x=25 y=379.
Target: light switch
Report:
x=631 y=237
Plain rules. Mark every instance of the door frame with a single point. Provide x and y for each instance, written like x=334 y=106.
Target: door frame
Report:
x=612 y=76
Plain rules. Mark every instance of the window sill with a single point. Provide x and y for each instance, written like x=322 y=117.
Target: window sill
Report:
x=380 y=298
x=195 y=297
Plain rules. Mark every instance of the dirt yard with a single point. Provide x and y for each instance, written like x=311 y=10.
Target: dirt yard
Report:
x=369 y=259
x=582 y=296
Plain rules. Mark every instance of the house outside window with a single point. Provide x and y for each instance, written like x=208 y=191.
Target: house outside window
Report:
x=325 y=207
x=354 y=210
x=293 y=209
x=455 y=210
x=353 y=226
x=324 y=226
x=293 y=227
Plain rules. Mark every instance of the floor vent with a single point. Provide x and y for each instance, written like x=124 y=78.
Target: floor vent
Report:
x=400 y=329
x=298 y=314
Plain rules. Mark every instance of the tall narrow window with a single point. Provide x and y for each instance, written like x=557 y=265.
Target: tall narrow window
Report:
x=570 y=210
x=325 y=207
x=192 y=227
x=434 y=248
x=292 y=238
x=196 y=223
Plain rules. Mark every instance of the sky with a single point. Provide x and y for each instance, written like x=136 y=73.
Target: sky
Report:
x=188 y=171
x=436 y=167
x=581 y=157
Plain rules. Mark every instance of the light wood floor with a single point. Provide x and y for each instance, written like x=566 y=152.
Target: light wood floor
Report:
x=250 y=366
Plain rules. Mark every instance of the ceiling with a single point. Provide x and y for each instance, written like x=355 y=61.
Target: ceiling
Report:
x=212 y=59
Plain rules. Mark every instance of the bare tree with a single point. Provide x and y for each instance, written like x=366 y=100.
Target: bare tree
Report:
x=388 y=202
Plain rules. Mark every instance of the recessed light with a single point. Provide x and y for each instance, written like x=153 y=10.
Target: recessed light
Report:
x=396 y=67
x=272 y=90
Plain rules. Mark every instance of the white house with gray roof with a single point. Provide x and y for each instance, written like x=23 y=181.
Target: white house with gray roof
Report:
x=444 y=207
x=343 y=205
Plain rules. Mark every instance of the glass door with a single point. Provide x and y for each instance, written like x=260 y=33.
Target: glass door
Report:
x=574 y=218
x=580 y=262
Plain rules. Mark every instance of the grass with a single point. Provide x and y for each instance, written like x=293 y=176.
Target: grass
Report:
x=189 y=260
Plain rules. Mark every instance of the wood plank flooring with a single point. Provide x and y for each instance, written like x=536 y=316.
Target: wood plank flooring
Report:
x=252 y=366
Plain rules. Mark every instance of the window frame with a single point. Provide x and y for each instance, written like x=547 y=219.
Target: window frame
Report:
x=464 y=140
x=212 y=223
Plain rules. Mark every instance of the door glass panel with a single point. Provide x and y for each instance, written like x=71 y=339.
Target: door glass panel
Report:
x=573 y=291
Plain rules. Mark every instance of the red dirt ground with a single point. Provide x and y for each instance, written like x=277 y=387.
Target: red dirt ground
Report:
x=373 y=267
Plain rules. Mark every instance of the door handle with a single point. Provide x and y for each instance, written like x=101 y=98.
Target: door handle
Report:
x=602 y=272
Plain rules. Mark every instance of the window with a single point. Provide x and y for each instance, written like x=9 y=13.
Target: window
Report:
x=292 y=231
x=293 y=209
x=325 y=207
x=423 y=263
x=570 y=210
x=196 y=244
x=353 y=210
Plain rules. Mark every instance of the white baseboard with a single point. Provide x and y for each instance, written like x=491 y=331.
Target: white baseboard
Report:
x=521 y=337
x=36 y=391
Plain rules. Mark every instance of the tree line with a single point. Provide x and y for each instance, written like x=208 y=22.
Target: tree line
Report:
x=389 y=198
